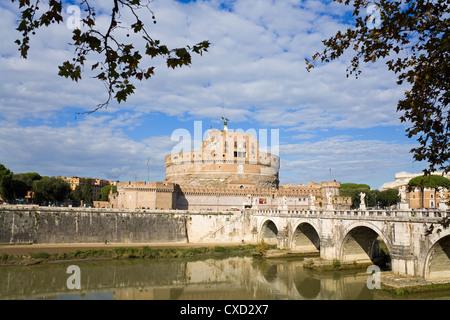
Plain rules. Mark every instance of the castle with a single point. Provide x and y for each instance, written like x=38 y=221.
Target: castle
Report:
x=229 y=172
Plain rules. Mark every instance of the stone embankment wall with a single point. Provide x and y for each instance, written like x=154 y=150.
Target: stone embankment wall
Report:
x=82 y=225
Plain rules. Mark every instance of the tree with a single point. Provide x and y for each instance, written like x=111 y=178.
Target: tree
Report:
x=355 y=186
x=50 y=190
x=106 y=190
x=6 y=176
x=87 y=192
x=61 y=189
x=23 y=182
x=42 y=190
x=428 y=181
x=119 y=63
x=77 y=194
x=413 y=38
x=389 y=197
x=353 y=190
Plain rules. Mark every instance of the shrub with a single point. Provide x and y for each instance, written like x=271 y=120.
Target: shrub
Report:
x=261 y=248
x=219 y=249
x=336 y=263
x=40 y=255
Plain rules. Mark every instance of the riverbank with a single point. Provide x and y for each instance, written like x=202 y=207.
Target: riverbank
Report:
x=402 y=285
x=30 y=254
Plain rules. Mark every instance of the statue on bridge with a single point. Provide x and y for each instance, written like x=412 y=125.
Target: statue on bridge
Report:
x=362 y=204
x=402 y=191
x=329 y=201
x=404 y=205
x=312 y=200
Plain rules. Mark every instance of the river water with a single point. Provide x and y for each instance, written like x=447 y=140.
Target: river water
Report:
x=231 y=278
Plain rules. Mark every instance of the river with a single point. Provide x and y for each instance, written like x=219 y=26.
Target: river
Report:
x=231 y=278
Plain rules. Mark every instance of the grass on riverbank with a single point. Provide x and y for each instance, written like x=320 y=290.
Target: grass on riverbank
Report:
x=432 y=287
x=144 y=252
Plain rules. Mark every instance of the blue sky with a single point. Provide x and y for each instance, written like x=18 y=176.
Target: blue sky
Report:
x=254 y=74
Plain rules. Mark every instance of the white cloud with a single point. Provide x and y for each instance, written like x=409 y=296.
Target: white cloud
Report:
x=254 y=72
x=350 y=160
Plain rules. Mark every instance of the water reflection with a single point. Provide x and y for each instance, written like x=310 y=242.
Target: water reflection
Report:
x=234 y=278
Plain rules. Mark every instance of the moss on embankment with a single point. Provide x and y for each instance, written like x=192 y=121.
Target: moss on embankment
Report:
x=144 y=252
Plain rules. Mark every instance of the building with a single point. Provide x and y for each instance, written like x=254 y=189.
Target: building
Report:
x=226 y=158
x=432 y=199
x=96 y=184
x=229 y=172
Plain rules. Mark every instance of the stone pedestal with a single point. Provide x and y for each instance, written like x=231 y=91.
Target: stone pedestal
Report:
x=404 y=206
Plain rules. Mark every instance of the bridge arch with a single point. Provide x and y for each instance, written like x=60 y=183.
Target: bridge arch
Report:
x=361 y=243
x=269 y=231
x=437 y=263
x=305 y=238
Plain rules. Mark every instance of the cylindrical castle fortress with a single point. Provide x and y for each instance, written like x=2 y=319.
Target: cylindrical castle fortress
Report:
x=226 y=158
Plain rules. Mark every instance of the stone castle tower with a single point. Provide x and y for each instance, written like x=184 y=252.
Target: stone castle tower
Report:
x=226 y=158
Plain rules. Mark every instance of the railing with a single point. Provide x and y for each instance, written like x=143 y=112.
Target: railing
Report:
x=431 y=214
x=113 y=210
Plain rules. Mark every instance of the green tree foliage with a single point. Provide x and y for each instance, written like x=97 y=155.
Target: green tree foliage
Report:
x=50 y=190
x=77 y=194
x=23 y=182
x=355 y=186
x=119 y=63
x=412 y=37
x=373 y=198
x=388 y=197
x=354 y=193
x=6 y=177
x=87 y=192
x=106 y=190
x=429 y=181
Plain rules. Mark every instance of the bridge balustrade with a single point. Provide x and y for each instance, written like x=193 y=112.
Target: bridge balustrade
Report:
x=423 y=213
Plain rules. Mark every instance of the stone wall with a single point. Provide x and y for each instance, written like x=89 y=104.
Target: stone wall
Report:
x=33 y=224
x=221 y=173
x=78 y=225
x=145 y=195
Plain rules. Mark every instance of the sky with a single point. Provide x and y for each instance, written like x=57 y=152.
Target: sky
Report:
x=330 y=127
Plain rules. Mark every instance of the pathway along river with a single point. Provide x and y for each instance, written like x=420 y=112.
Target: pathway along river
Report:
x=232 y=278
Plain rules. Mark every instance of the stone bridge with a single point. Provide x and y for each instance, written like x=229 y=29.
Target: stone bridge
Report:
x=354 y=235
